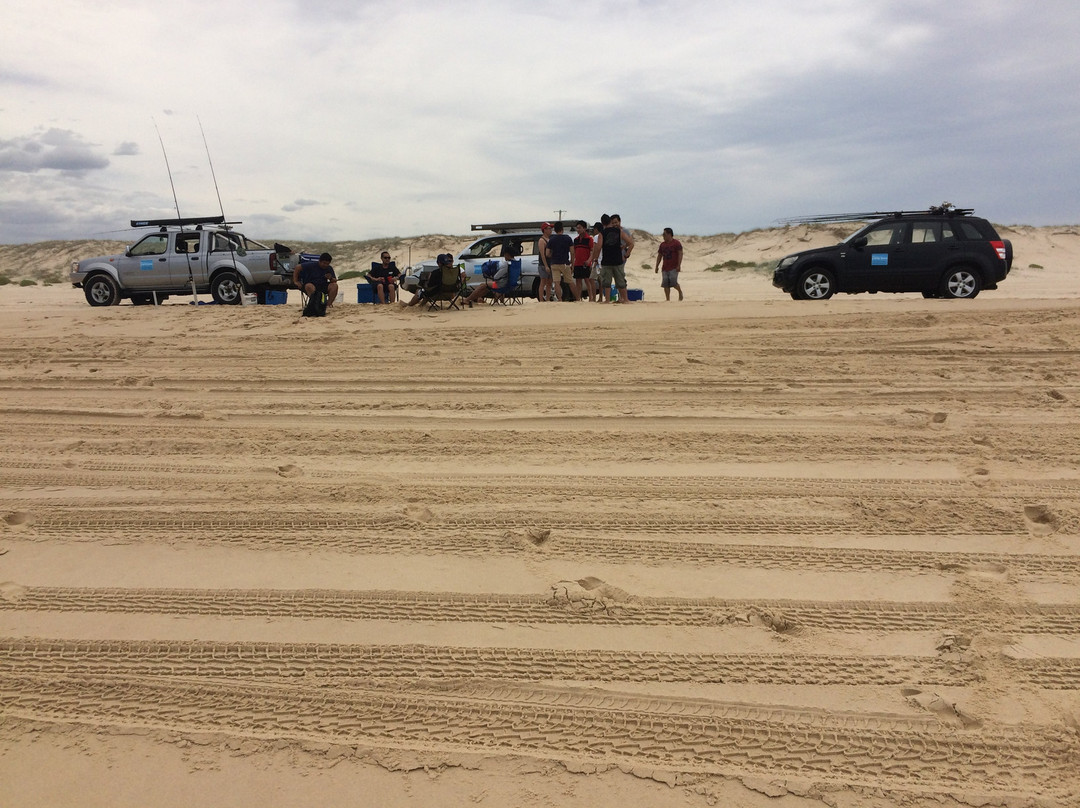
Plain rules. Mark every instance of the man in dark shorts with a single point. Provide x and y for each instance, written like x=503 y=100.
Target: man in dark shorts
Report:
x=383 y=277
x=317 y=280
x=583 y=260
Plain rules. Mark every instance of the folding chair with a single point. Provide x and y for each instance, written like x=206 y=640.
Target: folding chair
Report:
x=511 y=292
x=448 y=295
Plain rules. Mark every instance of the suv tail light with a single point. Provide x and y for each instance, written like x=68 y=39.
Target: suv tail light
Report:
x=999 y=248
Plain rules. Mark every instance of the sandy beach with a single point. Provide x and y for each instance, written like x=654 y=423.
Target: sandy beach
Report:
x=738 y=551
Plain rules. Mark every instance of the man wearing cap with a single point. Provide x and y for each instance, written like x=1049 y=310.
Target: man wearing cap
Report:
x=313 y=277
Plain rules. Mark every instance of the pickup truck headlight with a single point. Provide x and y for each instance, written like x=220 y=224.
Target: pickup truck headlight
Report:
x=786 y=262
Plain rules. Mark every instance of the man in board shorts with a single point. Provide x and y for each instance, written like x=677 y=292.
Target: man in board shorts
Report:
x=670 y=252
x=583 y=261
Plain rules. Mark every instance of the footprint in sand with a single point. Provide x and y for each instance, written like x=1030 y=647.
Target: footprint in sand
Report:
x=934 y=703
x=1041 y=521
x=11 y=591
x=589 y=593
x=19 y=520
x=289 y=470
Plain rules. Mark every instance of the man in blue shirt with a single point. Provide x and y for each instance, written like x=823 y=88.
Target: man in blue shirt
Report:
x=318 y=281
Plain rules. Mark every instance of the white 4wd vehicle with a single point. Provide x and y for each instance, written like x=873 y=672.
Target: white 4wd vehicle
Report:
x=522 y=236
x=183 y=255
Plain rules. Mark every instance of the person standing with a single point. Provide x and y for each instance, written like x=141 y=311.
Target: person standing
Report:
x=670 y=253
x=613 y=247
x=560 y=248
x=543 y=267
x=583 y=244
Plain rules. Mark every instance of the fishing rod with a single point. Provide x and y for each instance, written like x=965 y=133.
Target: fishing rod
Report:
x=179 y=218
x=221 y=207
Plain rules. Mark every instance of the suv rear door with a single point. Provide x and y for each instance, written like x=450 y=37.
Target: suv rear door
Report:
x=930 y=249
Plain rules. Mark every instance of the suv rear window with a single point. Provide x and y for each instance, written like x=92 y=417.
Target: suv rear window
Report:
x=971 y=232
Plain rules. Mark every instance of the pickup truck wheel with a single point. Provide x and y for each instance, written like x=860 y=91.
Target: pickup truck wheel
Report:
x=816 y=284
x=961 y=283
x=535 y=289
x=101 y=290
x=226 y=288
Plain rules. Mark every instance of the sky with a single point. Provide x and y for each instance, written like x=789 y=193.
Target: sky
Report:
x=333 y=120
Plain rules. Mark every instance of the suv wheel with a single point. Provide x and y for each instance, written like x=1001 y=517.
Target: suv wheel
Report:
x=101 y=290
x=816 y=284
x=226 y=288
x=961 y=282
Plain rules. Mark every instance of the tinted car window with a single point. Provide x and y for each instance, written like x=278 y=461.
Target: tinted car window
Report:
x=970 y=231
x=925 y=232
x=886 y=235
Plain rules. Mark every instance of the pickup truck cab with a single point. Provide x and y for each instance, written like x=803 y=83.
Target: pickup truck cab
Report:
x=182 y=256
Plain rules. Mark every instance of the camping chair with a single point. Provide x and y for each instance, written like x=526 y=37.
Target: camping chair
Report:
x=448 y=293
x=511 y=292
x=389 y=282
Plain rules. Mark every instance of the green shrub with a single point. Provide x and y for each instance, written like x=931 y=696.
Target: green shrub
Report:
x=27 y=282
x=4 y=280
x=731 y=266
x=352 y=273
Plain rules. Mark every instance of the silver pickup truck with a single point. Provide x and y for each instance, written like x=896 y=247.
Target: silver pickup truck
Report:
x=182 y=256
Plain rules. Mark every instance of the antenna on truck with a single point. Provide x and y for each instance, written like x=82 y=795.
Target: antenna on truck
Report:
x=232 y=252
x=176 y=202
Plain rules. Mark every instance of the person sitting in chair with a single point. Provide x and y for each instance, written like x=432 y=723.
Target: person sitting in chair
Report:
x=432 y=284
x=493 y=281
x=317 y=280
x=383 y=277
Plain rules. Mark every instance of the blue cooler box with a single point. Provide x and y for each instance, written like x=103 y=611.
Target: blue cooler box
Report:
x=631 y=294
x=275 y=297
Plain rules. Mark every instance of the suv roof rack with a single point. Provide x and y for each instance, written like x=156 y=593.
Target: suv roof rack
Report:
x=944 y=209
x=179 y=222
x=510 y=227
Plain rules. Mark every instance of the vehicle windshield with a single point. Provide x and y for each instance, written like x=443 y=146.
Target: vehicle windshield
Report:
x=481 y=249
x=861 y=231
x=492 y=247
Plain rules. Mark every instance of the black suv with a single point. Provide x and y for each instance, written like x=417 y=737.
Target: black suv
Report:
x=941 y=252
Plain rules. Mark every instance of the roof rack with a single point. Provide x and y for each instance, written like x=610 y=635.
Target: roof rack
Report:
x=510 y=227
x=179 y=222
x=944 y=209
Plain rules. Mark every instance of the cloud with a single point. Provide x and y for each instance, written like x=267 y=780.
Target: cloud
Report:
x=300 y=204
x=55 y=149
x=358 y=119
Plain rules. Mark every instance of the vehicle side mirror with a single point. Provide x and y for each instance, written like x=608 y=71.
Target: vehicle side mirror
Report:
x=859 y=243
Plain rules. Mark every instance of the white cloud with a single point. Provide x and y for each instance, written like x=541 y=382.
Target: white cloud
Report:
x=337 y=119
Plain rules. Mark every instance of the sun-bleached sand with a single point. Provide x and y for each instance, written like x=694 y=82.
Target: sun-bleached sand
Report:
x=737 y=551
